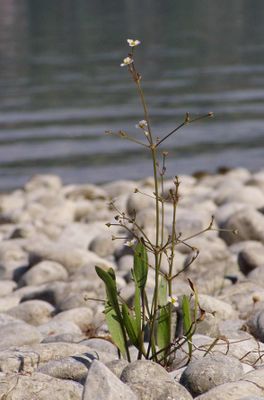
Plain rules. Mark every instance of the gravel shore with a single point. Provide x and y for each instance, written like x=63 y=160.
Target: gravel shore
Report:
x=52 y=236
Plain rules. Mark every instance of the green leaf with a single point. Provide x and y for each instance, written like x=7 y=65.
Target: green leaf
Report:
x=115 y=329
x=162 y=292
x=140 y=268
x=130 y=325
x=163 y=328
x=108 y=277
x=137 y=307
x=187 y=322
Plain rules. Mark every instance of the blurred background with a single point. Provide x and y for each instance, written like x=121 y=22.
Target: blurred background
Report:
x=61 y=86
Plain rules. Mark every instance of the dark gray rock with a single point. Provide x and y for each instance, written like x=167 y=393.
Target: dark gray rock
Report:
x=39 y=386
x=74 y=368
x=101 y=384
x=256 y=325
x=251 y=257
x=18 y=333
x=142 y=371
x=43 y=272
x=34 y=312
x=248 y=222
x=210 y=371
x=159 y=390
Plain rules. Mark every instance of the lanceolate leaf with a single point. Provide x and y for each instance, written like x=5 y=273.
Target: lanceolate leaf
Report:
x=140 y=265
x=163 y=328
x=115 y=329
x=187 y=322
x=162 y=292
x=130 y=325
x=110 y=284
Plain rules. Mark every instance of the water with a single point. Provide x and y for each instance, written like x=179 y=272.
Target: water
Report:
x=61 y=86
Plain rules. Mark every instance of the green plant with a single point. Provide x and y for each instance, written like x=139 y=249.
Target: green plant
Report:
x=151 y=319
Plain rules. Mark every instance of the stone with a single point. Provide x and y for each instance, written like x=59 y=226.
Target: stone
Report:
x=257 y=275
x=28 y=358
x=255 y=323
x=249 y=195
x=85 y=191
x=56 y=327
x=101 y=383
x=102 y=245
x=156 y=390
x=81 y=316
x=38 y=386
x=251 y=257
x=46 y=182
x=242 y=296
x=219 y=308
x=13 y=259
x=142 y=371
x=101 y=345
x=231 y=391
x=34 y=312
x=210 y=371
x=17 y=333
x=248 y=222
x=7 y=287
x=118 y=188
x=74 y=368
x=117 y=366
x=8 y=302
x=44 y=272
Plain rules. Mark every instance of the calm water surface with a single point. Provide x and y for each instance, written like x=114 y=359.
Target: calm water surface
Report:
x=61 y=86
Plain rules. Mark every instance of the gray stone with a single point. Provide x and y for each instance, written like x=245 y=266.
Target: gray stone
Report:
x=64 y=337
x=46 y=182
x=29 y=357
x=82 y=317
x=17 y=333
x=210 y=371
x=256 y=325
x=74 y=368
x=101 y=383
x=38 y=386
x=7 y=287
x=117 y=188
x=86 y=191
x=249 y=195
x=117 y=366
x=102 y=245
x=143 y=370
x=70 y=257
x=101 y=345
x=13 y=259
x=44 y=272
x=251 y=257
x=8 y=302
x=157 y=390
x=58 y=327
x=248 y=222
x=257 y=275
x=231 y=391
x=34 y=312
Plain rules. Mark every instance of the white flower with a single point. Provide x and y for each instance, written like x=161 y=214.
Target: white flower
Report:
x=173 y=300
x=142 y=124
x=133 y=43
x=130 y=243
x=127 y=61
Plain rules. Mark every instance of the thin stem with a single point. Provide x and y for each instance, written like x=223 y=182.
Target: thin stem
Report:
x=185 y=122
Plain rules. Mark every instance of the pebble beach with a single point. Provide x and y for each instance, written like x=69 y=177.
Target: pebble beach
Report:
x=54 y=342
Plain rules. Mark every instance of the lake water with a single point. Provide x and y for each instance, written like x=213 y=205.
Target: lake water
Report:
x=61 y=86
